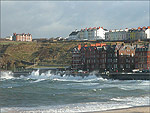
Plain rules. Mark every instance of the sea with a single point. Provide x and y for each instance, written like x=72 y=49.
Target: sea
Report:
x=49 y=93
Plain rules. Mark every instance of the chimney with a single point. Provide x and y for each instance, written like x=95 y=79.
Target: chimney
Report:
x=144 y=27
x=123 y=44
x=14 y=34
x=92 y=44
x=79 y=46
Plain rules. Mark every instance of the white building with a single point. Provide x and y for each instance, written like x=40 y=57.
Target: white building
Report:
x=147 y=31
x=94 y=33
x=74 y=35
x=9 y=37
x=128 y=34
x=116 y=35
x=89 y=34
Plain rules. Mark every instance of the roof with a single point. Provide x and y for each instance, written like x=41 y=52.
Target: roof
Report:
x=125 y=46
x=143 y=48
x=101 y=48
x=105 y=30
x=74 y=33
x=22 y=34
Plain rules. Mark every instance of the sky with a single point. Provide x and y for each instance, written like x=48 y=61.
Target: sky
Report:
x=46 y=19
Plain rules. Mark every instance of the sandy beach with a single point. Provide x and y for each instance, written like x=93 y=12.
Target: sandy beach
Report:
x=141 y=109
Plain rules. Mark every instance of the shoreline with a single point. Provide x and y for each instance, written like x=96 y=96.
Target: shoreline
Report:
x=135 y=109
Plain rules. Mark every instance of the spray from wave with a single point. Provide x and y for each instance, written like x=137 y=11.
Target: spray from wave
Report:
x=6 y=75
x=48 y=75
x=56 y=77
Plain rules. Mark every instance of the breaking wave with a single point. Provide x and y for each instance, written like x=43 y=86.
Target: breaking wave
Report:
x=77 y=93
x=51 y=76
x=6 y=75
x=35 y=75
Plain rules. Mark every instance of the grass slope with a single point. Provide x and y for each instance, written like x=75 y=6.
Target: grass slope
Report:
x=23 y=54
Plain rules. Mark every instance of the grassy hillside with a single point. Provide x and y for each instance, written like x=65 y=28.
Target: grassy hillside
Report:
x=23 y=54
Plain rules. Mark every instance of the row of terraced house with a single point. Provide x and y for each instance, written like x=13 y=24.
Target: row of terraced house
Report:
x=113 y=58
x=22 y=37
x=99 y=33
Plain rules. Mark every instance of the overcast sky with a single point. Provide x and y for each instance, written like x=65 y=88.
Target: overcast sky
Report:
x=45 y=19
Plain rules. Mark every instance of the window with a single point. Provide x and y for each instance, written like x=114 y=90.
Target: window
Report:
x=127 y=60
x=115 y=60
x=127 y=65
x=136 y=65
x=94 y=60
x=121 y=65
x=115 y=65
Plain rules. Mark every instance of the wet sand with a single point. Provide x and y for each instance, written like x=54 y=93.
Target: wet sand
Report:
x=142 y=109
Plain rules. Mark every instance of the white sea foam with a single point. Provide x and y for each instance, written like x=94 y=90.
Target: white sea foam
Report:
x=86 y=107
x=98 y=85
x=134 y=101
x=49 y=75
x=131 y=86
x=6 y=75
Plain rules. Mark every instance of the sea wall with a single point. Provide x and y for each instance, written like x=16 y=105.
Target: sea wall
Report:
x=126 y=76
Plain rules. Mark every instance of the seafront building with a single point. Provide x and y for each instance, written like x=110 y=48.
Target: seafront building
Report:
x=22 y=37
x=91 y=58
x=76 y=58
x=142 y=57
x=113 y=58
x=125 y=58
x=99 y=33
x=128 y=34
x=74 y=35
x=96 y=33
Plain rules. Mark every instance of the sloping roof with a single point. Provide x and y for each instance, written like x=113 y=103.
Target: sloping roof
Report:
x=74 y=33
x=21 y=34
x=105 y=30
x=125 y=46
x=143 y=48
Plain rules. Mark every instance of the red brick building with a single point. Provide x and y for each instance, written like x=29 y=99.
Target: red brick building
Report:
x=101 y=58
x=113 y=58
x=88 y=55
x=89 y=58
x=22 y=37
x=142 y=57
x=76 y=59
x=126 y=55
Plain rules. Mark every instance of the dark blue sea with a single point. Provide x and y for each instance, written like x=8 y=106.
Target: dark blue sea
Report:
x=68 y=94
